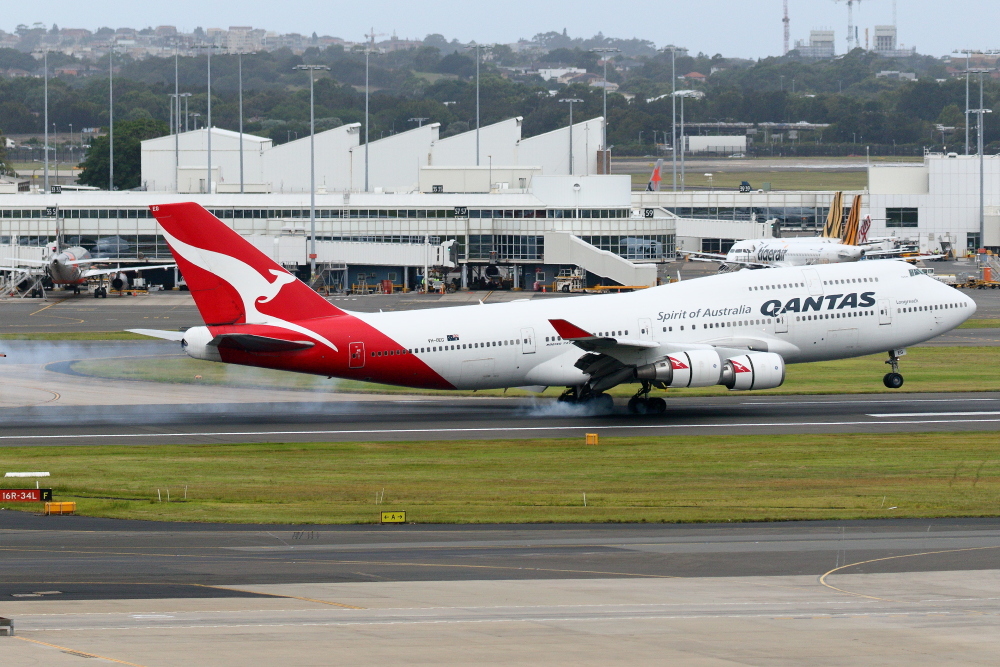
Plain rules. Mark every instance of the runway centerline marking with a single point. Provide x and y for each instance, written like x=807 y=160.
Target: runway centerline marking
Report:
x=934 y=414
x=506 y=429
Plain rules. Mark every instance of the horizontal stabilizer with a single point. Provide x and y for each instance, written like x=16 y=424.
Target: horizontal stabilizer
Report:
x=254 y=343
x=156 y=333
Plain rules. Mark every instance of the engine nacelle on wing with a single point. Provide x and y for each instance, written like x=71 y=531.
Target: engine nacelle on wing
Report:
x=758 y=370
x=694 y=368
x=196 y=343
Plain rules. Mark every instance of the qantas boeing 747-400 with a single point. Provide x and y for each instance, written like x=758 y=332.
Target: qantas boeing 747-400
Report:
x=737 y=329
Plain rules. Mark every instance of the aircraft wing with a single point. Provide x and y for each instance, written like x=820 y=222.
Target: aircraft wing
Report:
x=712 y=257
x=703 y=256
x=587 y=341
x=90 y=273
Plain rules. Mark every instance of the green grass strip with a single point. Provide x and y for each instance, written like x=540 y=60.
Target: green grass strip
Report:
x=662 y=479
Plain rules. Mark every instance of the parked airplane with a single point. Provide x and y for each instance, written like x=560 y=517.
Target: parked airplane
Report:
x=655 y=178
x=737 y=329
x=68 y=267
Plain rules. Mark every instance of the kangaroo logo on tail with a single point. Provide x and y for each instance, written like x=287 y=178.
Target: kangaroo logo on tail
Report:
x=252 y=287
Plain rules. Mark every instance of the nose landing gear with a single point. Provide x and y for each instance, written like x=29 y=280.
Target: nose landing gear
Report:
x=894 y=380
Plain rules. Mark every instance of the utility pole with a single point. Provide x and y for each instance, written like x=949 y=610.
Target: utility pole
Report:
x=177 y=118
x=478 y=47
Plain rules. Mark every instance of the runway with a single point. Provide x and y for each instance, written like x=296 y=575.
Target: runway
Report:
x=893 y=592
x=415 y=418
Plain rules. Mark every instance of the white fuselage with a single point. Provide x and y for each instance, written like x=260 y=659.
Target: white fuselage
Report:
x=803 y=251
x=804 y=314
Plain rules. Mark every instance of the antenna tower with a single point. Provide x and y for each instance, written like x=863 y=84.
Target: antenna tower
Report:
x=785 y=21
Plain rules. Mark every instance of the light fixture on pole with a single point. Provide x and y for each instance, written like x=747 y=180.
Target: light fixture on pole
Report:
x=312 y=69
x=571 y=100
x=418 y=120
x=673 y=106
x=606 y=159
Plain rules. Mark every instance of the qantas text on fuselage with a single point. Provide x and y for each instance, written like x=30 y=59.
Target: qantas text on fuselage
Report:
x=257 y=314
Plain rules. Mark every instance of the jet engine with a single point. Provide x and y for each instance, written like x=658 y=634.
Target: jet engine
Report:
x=758 y=370
x=694 y=368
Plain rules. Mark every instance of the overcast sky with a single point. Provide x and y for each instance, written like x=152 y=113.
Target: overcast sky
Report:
x=744 y=28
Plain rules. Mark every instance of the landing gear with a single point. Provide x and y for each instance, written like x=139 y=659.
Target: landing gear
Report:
x=642 y=404
x=893 y=380
x=599 y=402
x=101 y=293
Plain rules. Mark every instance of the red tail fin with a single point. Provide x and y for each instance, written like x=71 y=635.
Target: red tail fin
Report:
x=231 y=281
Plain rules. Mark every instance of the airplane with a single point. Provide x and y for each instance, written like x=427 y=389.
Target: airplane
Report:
x=737 y=329
x=68 y=267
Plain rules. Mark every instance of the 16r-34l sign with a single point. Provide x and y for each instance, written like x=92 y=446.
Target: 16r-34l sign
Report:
x=25 y=495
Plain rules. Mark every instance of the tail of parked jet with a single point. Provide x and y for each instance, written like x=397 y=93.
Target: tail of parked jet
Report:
x=655 y=178
x=852 y=228
x=835 y=218
x=231 y=281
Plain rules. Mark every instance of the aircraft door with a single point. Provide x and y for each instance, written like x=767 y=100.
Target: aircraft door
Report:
x=781 y=324
x=356 y=355
x=645 y=328
x=527 y=341
x=813 y=282
x=884 y=312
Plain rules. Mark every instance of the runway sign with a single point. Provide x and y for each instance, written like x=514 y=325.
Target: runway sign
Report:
x=393 y=517
x=25 y=495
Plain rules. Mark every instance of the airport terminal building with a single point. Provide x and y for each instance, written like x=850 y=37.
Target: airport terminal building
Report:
x=530 y=210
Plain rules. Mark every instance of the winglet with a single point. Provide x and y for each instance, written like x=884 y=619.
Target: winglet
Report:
x=569 y=331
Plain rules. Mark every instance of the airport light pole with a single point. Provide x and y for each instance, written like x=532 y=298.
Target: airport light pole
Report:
x=982 y=181
x=175 y=109
x=240 y=68
x=208 y=124
x=570 y=100
x=682 y=94
x=45 y=58
x=111 y=117
x=606 y=160
x=673 y=102
x=312 y=69
x=186 y=114
x=478 y=47
x=418 y=120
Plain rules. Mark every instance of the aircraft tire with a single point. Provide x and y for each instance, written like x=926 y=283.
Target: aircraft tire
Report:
x=656 y=406
x=603 y=403
x=893 y=380
x=638 y=406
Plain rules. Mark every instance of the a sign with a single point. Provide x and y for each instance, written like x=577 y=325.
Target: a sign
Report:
x=745 y=187
x=51 y=211
x=437 y=189
x=461 y=211
x=647 y=213
x=55 y=189
x=393 y=517
x=25 y=495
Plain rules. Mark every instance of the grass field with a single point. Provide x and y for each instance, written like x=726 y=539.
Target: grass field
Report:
x=925 y=369
x=812 y=179
x=678 y=479
x=980 y=324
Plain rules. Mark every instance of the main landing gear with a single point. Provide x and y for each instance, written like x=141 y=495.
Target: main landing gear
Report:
x=600 y=402
x=642 y=404
x=893 y=380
